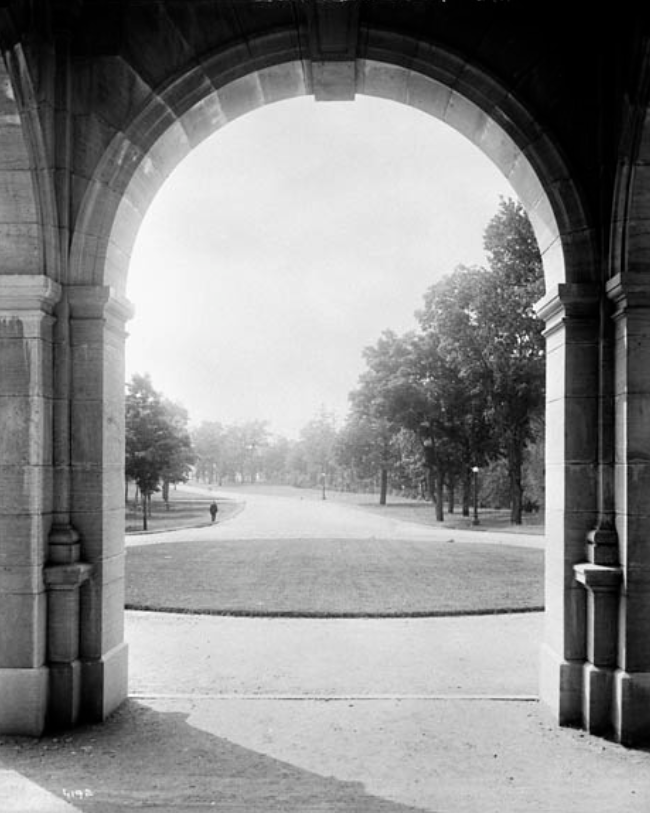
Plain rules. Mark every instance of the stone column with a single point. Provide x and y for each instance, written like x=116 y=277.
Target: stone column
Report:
x=571 y=314
x=97 y=320
x=26 y=304
x=630 y=293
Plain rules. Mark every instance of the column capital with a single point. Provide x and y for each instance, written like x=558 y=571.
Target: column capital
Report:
x=23 y=292
x=98 y=302
x=569 y=300
x=629 y=290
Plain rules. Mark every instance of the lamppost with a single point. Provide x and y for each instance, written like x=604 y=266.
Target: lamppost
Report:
x=475 y=472
x=322 y=481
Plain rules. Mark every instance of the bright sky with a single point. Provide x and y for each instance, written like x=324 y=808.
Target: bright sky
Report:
x=287 y=242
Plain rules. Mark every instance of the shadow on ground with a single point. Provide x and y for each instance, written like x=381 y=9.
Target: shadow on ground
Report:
x=141 y=758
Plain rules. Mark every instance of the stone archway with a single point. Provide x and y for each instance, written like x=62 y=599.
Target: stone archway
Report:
x=99 y=139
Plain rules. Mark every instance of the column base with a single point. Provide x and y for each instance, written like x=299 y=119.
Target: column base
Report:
x=105 y=684
x=631 y=708
x=23 y=701
x=561 y=687
x=597 y=700
x=65 y=695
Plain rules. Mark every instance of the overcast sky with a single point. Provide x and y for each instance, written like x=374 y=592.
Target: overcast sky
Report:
x=285 y=244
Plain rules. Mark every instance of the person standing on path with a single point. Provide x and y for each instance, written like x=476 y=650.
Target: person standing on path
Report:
x=213 y=510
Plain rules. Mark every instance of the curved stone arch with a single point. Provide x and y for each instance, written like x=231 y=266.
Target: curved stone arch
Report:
x=207 y=96
x=124 y=180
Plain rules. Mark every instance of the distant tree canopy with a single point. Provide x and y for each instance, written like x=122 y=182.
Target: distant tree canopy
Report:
x=469 y=383
x=463 y=390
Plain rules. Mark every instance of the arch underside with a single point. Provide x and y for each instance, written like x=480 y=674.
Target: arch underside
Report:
x=195 y=105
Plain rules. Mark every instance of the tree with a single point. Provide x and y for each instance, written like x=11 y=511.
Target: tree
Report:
x=485 y=328
x=365 y=446
x=157 y=443
x=178 y=451
x=516 y=267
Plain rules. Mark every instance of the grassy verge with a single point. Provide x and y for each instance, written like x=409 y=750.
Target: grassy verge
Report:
x=181 y=512
x=334 y=578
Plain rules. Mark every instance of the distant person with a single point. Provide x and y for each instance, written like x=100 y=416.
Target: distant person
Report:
x=213 y=510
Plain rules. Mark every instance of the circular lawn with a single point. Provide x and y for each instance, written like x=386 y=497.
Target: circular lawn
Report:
x=334 y=578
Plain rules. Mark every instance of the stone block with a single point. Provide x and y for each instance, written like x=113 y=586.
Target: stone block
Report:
x=22 y=632
x=638 y=245
x=497 y=145
x=104 y=684
x=241 y=96
x=25 y=490
x=284 y=81
x=631 y=713
x=23 y=701
x=17 y=199
x=102 y=617
x=385 y=81
x=126 y=224
x=637 y=483
x=634 y=642
x=25 y=431
x=581 y=430
x=98 y=370
x=98 y=434
x=597 y=700
x=27 y=366
x=64 y=695
x=24 y=539
x=466 y=117
x=21 y=579
x=116 y=266
x=427 y=95
x=555 y=433
x=20 y=248
x=109 y=569
x=632 y=428
x=95 y=490
x=13 y=155
x=169 y=150
x=561 y=687
x=102 y=533
x=576 y=491
x=555 y=271
x=198 y=123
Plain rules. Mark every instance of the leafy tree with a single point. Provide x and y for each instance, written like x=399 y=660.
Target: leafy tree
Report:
x=157 y=443
x=365 y=446
x=179 y=452
x=485 y=328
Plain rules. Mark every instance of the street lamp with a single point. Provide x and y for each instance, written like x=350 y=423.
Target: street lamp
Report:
x=475 y=472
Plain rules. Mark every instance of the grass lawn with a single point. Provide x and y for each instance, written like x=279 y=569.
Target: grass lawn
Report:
x=339 y=578
x=181 y=512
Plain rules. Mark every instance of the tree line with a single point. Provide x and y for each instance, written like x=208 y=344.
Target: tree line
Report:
x=463 y=391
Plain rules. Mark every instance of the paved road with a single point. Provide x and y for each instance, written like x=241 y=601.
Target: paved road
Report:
x=266 y=517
